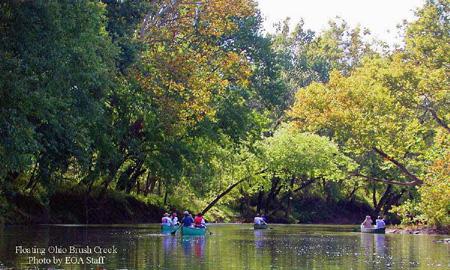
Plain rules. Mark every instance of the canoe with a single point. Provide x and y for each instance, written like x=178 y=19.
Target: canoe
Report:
x=193 y=231
x=168 y=229
x=256 y=226
x=373 y=230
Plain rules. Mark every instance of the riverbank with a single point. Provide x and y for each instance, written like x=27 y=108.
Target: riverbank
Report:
x=76 y=207
x=418 y=230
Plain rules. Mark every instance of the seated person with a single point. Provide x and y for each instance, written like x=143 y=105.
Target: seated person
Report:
x=258 y=220
x=199 y=221
x=367 y=223
x=380 y=222
x=175 y=219
x=187 y=221
x=166 y=221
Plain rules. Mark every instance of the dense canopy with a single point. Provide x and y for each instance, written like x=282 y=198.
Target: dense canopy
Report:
x=189 y=105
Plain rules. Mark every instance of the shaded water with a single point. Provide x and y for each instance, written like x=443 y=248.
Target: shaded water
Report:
x=232 y=246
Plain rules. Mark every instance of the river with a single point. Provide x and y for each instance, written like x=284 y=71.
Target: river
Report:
x=231 y=246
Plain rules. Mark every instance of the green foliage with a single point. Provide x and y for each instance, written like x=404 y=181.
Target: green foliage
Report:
x=58 y=65
x=289 y=153
x=175 y=102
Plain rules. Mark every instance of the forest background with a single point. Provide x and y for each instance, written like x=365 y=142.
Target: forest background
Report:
x=118 y=111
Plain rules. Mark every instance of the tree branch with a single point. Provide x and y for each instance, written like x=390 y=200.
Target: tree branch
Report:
x=222 y=194
x=407 y=184
x=416 y=181
x=439 y=120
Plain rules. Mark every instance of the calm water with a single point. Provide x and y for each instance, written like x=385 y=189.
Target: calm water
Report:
x=232 y=246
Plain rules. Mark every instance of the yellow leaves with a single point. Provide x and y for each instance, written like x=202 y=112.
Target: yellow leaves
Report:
x=185 y=64
x=360 y=110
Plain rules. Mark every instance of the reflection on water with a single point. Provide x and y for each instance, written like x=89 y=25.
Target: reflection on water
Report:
x=170 y=244
x=260 y=236
x=232 y=246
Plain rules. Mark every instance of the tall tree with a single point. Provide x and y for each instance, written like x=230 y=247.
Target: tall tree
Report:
x=57 y=66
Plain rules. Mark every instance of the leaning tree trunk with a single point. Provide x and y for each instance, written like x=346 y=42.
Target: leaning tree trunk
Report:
x=218 y=197
x=289 y=194
x=382 y=200
x=274 y=191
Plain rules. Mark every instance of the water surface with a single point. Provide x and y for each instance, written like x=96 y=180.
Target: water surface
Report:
x=231 y=246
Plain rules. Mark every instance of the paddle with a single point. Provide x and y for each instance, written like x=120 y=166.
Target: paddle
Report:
x=210 y=233
x=173 y=233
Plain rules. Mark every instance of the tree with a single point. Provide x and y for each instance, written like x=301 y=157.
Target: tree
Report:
x=293 y=161
x=308 y=57
x=57 y=67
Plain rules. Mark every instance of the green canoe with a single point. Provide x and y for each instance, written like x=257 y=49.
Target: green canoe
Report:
x=257 y=227
x=373 y=230
x=168 y=229
x=193 y=231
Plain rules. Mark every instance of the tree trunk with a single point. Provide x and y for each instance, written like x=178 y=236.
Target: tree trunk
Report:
x=289 y=194
x=218 y=197
x=383 y=200
x=273 y=193
x=393 y=201
x=147 y=185
x=289 y=205
x=260 y=199
x=374 y=195
x=31 y=181
x=165 y=196
x=350 y=197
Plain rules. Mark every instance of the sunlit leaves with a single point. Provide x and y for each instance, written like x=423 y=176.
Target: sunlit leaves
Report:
x=289 y=153
x=435 y=192
x=184 y=64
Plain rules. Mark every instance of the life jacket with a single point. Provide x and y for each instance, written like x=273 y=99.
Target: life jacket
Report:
x=198 y=221
x=166 y=221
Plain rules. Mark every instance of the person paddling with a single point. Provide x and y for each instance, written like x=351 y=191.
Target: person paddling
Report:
x=380 y=222
x=187 y=220
x=199 y=221
x=166 y=221
x=258 y=220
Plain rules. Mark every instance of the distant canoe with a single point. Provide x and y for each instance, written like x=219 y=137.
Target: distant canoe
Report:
x=259 y=227
x=193 y=231
x=373 y=230
x=168 y=229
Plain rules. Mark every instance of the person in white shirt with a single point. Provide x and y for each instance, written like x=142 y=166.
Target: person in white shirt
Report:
x=367 y=223
x=258 y=220
x=380 y=222
x=166 y=221
x=175 y=219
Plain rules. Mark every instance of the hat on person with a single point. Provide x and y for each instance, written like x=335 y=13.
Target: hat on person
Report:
x=186 y=212
x=174 y=214
x=166 y=214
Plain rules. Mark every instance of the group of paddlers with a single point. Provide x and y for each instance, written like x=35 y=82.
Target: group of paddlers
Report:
x=260 y=220
x=379 y=223
x=186 y=221
x=199 y=221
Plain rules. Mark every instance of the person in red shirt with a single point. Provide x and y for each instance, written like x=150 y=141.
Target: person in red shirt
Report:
x=199 y=221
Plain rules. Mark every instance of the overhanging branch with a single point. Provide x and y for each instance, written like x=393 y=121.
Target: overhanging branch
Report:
x=416 y=181
x=405 y=184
